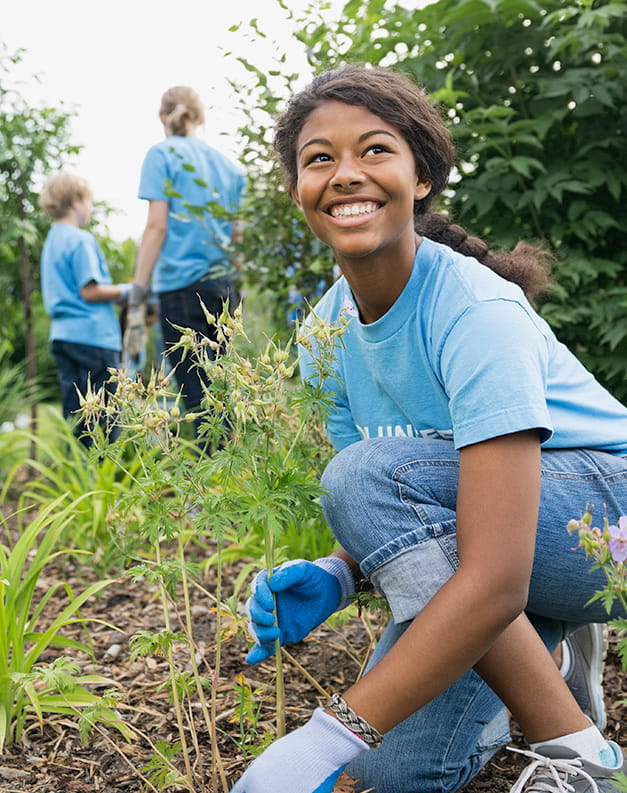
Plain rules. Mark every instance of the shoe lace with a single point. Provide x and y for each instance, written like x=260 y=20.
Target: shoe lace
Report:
x=549 y=774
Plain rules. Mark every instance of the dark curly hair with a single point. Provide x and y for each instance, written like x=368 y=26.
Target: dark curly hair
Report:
x=406 y=106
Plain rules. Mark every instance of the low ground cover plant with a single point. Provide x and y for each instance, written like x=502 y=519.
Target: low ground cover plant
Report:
x=56 y=464
x=27 y=633
x=606 y=546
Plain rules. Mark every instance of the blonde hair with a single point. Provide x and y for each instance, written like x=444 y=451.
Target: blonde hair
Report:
x=181 y=110
x=60 y=191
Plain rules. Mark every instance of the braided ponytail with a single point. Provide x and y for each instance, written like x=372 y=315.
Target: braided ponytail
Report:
x=527 y=265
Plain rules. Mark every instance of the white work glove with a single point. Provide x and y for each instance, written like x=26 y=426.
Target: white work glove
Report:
x=308 y=760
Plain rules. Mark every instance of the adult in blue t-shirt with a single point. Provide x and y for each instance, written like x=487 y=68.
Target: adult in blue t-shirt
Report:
x=78 y=295
x=186 y=252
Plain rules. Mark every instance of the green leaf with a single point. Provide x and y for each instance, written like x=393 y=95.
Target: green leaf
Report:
x=526 y=165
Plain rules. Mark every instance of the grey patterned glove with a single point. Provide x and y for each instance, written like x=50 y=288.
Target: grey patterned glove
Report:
x=136 y=335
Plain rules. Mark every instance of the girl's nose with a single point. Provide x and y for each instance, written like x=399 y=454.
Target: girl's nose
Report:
x=347 y=173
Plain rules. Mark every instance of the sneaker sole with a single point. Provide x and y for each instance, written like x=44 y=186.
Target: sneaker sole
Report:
x=597 y=665
x=596 y=670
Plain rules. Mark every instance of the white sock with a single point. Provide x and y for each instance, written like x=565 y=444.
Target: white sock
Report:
x=589 y=744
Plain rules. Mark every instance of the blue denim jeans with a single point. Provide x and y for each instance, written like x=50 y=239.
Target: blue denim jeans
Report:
x=182 y=307
x=78 y=364
x=391 y=505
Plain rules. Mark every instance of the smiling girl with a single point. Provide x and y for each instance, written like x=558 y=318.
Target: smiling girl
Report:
x=466 y=435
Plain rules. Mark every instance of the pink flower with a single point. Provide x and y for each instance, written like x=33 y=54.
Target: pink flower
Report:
x=618 y=540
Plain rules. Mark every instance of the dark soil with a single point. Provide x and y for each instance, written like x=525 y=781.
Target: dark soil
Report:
x=52 y=759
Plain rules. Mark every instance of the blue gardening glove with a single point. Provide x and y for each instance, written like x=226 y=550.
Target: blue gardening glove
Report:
x=307 y=593
x=308 y=760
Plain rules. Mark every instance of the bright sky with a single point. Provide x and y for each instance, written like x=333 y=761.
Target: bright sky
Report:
x=112 y=61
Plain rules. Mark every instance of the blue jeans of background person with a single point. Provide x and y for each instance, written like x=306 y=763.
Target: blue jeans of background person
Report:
x=78 y=365
x=391 y=505
x=183 y=307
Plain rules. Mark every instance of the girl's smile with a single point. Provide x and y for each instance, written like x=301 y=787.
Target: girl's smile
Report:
x=357 y=184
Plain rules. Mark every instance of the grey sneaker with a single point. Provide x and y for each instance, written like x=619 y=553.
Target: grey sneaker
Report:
x=588 y=648
x=556 y=769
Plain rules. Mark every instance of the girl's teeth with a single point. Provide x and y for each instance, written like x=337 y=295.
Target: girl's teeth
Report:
x=352 y=209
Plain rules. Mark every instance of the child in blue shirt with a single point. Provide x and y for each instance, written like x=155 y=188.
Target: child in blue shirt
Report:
x=467 y=436
x=78 y=294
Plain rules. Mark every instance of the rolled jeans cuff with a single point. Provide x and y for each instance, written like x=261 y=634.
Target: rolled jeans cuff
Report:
x=411 y=569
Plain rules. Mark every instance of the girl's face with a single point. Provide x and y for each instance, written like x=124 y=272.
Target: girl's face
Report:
x=357 y=183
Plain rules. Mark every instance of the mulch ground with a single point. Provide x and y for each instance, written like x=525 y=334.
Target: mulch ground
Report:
x=52 y=759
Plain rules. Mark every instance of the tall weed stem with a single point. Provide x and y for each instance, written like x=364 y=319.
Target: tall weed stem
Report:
x=280 y=683
x=170 y=658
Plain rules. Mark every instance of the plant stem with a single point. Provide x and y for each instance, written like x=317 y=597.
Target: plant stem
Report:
x=306 y=674
x=216 y=670
x=280 y=685
x=175 y=693
x=210 y=718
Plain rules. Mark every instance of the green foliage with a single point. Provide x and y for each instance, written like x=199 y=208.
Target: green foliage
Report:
x=541 y=129
x=120 y=256
x=16 y=395
x=33 y=141
x=620 y=780
x=160 y=770
x=58 y=463
x=252 y=740
x=16 y=399
x=101 y=711
x=148 y=643
x=267 y=456
x=27 y=632
x=281 y=254
x=600 y=548
x=59 y=688
x=597 y=544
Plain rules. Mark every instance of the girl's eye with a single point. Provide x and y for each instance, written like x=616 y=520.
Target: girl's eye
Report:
x=319 y=157
x=377 y=148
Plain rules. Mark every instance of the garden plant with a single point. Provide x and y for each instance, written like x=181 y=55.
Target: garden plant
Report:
x=251 y=483
x=606 y=546
x=26 y=635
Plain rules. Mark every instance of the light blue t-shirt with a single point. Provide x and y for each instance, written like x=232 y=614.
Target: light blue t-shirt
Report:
x=70 y=259
x=461 y=355
x=194 y=174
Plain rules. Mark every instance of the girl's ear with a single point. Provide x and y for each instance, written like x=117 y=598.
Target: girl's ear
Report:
x=295 y=197
x=421 y=190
